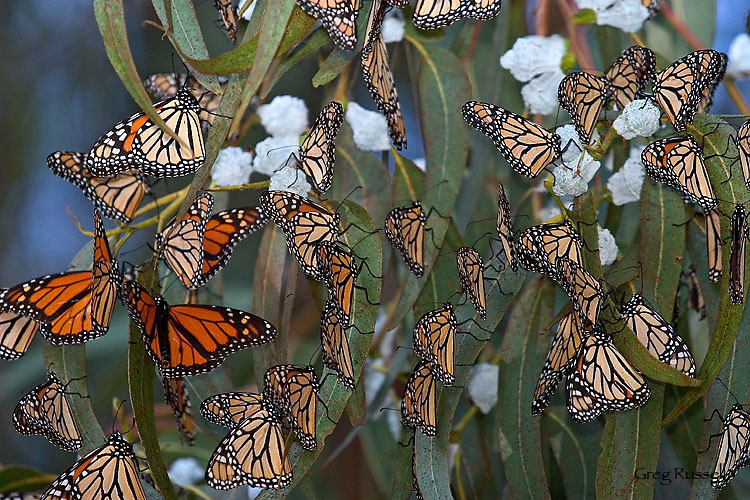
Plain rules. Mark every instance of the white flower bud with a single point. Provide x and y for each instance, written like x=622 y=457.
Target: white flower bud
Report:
x=640 y=118
x=232 y=167
x=369 y=128
x=284 y=116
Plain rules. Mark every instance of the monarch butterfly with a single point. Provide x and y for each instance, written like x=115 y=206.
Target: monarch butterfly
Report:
x=583 y=96
x=165 y=85
x=231 y=408
x=418 y=408
x=335 y=345
x=176 y=396
x=138 y=143
x=404 y=230
x=20 y=496
x=71 y=307
x=526 y=146
x=540 y=247
x=695 y=300
x=253 y=453
x=433 y=14
x=434 y=341
x=505 y=228
x=377 y=75
x=228 y=14
x=306 y=225
x=109 y=471
x=190 y=339
x=583 y=289
x=737 y=255
x=656 y=335
x=471 y=277
x=742 y=141
x=713 y=246
x=678 y=162
x=339 y=272
x=560 y=358
x=16 y=334
x=45 y=411
x=117 y=197
x=630 y=74
x=601 y=379
x=687 y=85
x=318 y=150
x=733 y=447
x=339 y=18
x=293 y=391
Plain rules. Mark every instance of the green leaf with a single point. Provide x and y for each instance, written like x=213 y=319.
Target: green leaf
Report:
x=523 y=354
x=186 y=34
x=356 y=407
x=22 y=479
x=333 y=394
x=110 y=17
x=576 y=449
x=310 y=45
x=719 y=148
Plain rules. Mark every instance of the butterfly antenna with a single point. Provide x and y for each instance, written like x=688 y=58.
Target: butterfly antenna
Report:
x=328 y=416
x=728 y=389
x=355 y=327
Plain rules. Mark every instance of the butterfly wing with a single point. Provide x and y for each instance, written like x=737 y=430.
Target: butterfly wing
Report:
x=583 y=96
x=376 y=72
x=471 y=276
x=526 y=146
x=733 y=447
x=541 y=247
x=418 y=408
x=434 y=341
x=231 y=408
x=738 y=226
x=176 y=396
x=318 y=150
x=228 y=13
x=338 y=17
x=404 y=229
x=292 y=391
x=630 y=74
x=584 y=290
x=106 y=277
x=713 y=246
x=340 y=274
x=16 y=334
x=335 y=345
x=743 y=148
x=433 y=14
x=505 y=228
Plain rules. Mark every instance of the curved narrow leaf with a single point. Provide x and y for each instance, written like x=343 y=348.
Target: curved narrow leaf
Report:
x=522 y=356
x=333 y=394
x=23 y=479
x=310 y=45
x=576 y=448
x=718 y=148
x=187 y=35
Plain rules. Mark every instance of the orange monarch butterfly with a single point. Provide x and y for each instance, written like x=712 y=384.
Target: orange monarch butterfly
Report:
x=45 y=411
x=742 y=141
x=71 y=307
x=339 y=272
x=434 y=341
x=560 y=358
x=253 y=452
x=192 y=338
x=165 y=85
x=733 y=447
x=176 y=396
x=404 y=230
x=293 y=391
x=656 y=335
x=339 y=18
x=629 y=74
x=583 y=96
x=117 y=197
x=584 y=290
x=678 y=163
x=16 y=334
x=471 y=277
x=433 y=14
x=737 y=255
x=540 y=247
x=713 y=245
x=318 y=150
x=688 y=84
x=109 y=471
x=228 y=17
x=136 y=142
x=418 y=408
x=526 y=146
x=181 y=242
x=601 y=379
x=305 y=224
x=335 y=345
x=377 y=75
x=505 y=228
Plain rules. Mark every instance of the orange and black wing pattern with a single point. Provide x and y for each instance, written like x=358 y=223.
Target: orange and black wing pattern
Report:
x=713 y=246
x=339 y=18
x=293 y=391
x=584 y=290
x=230 y=408
x=192 y=338
x=318 y=150
x=335 y=345
x=228 y=12
x=433 y=14
x=418 y=406
x=583 y=96
x=738 y=227
x=339 y=271
x=541 y=247
x=743 y=148
x=471 y=276
x=176 y=396
x=16 y=333
x=404 y=229
x=505 y=227
x=434 y=340
x=630 y=74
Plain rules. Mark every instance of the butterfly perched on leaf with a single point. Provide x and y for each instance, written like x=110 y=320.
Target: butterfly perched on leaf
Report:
x=293 y=391
x=540 y=247
x=527 y=147
x=117 y=197
x=583 y=96
x=630 y=74
x=732 y=453
x=471 y=277
x=163 y=86
x=318 y=150
x=339 y=271
x=713 y=245
x=742 y=141
x=334 y=345
x=404 y=230
x=582 y=287
x=45 y=411
x=190 y=339
x=418 y=405
x=137 y=142
x=71 y=307
x=505 y=227
x=376 y=72
x=228 y=12
x=738 y=231
x=434 y=340
x=110 y=471
x=253 y=452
